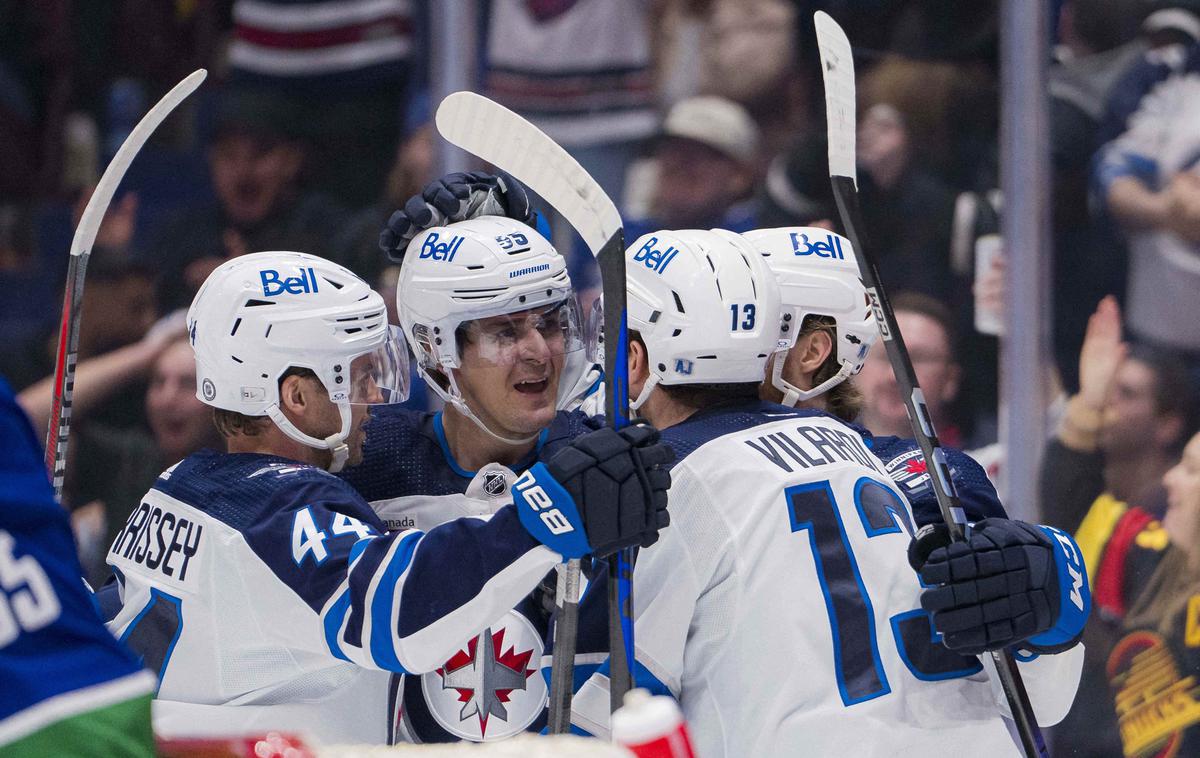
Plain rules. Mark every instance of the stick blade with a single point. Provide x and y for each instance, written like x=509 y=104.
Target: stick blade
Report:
x=93 y=213
x=492 y=132
x=837 y=69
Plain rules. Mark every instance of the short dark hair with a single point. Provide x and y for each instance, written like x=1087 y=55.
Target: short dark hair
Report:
x=1174 y=388
x=231 y=423
x=703 y=395
x=931 y=308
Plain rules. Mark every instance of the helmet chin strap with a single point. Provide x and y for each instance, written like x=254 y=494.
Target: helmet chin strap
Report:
x=651 y=382
x=793 y=394
x=461 y=406
x=454 y=397
x=335 y=443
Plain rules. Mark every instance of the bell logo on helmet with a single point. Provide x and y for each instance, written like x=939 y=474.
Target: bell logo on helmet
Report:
x=444 y=251
x=273 y=285
x=655 y=260
x=830 y=247
x=208 y=389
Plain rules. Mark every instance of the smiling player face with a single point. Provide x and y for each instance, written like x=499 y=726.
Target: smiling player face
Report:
x=511 y=367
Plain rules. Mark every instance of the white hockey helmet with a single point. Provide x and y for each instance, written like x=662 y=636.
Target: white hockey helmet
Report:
x=259 y=315
x=706 y=307
x=486 y=267
x=818 y=276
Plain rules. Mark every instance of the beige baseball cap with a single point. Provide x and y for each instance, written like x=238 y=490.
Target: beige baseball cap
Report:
x=717 y=122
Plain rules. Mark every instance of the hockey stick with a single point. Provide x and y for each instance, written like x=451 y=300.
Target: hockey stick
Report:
x=509 y=142
x=81 y=249
x=837 y=69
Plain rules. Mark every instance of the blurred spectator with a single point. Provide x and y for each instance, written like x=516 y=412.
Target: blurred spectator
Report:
x=1137 y=697
x=1148 y=179
x=36 y=56
x=255 y=159
x=949 y=111
x=346 y=67
x=357 y=246
x=1102 y=479
x=104 y=378
x=1099 y=43
x=907 y=211
x=581 y=71
x=703 y=174
x=930 y=337
x=706 y=155
x=796 y=190
x=742 y=50
x=1171 y=27
x=117 y=310
x=1120 y=433
x=118 y=466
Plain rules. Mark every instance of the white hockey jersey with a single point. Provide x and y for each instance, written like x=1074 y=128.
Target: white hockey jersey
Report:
x=267 y=596
x=781 y=611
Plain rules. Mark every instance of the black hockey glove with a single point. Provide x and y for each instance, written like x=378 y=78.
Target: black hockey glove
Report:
x=1010 y=582
x=455 y=197
x=609 y=485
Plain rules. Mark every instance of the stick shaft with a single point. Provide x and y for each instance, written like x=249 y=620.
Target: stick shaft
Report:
x=846 y=196
x=611 y=260
x=59 y=428
x=81 y=247
x=566 y=628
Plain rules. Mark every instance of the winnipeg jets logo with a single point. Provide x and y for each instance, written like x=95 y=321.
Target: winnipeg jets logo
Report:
x=490 y=689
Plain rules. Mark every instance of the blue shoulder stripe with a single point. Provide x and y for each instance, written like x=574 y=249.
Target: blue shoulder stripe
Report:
x=383 y=600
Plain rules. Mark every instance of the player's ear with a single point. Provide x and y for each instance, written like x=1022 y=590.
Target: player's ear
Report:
x=811 y=352
x=639 y=365
x=295 y=394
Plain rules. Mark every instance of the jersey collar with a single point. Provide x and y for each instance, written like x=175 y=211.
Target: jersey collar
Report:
x=439 y=429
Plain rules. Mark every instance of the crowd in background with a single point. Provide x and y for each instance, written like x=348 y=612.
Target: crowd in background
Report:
x=316 y=123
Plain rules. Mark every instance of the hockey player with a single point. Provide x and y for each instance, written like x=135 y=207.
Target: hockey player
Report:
x=489 y=309
x=460 y=196
x=825 y=305
x=69 y=687
x=265 y=592
x=781 y=610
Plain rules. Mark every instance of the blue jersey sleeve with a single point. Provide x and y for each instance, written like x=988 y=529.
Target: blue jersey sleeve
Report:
x=399 y=601
x=58 y=660
x=904 y=462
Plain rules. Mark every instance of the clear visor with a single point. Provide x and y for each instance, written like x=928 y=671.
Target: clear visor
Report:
x=381 y=376
x=533 y=335
x=595 y=332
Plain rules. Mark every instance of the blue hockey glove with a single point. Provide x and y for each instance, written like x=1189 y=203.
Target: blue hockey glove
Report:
x=1010 y=582
x=455 y=197
x=606 y=491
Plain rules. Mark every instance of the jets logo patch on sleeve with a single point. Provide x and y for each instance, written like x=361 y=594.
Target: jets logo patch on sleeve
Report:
x=910 y=471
